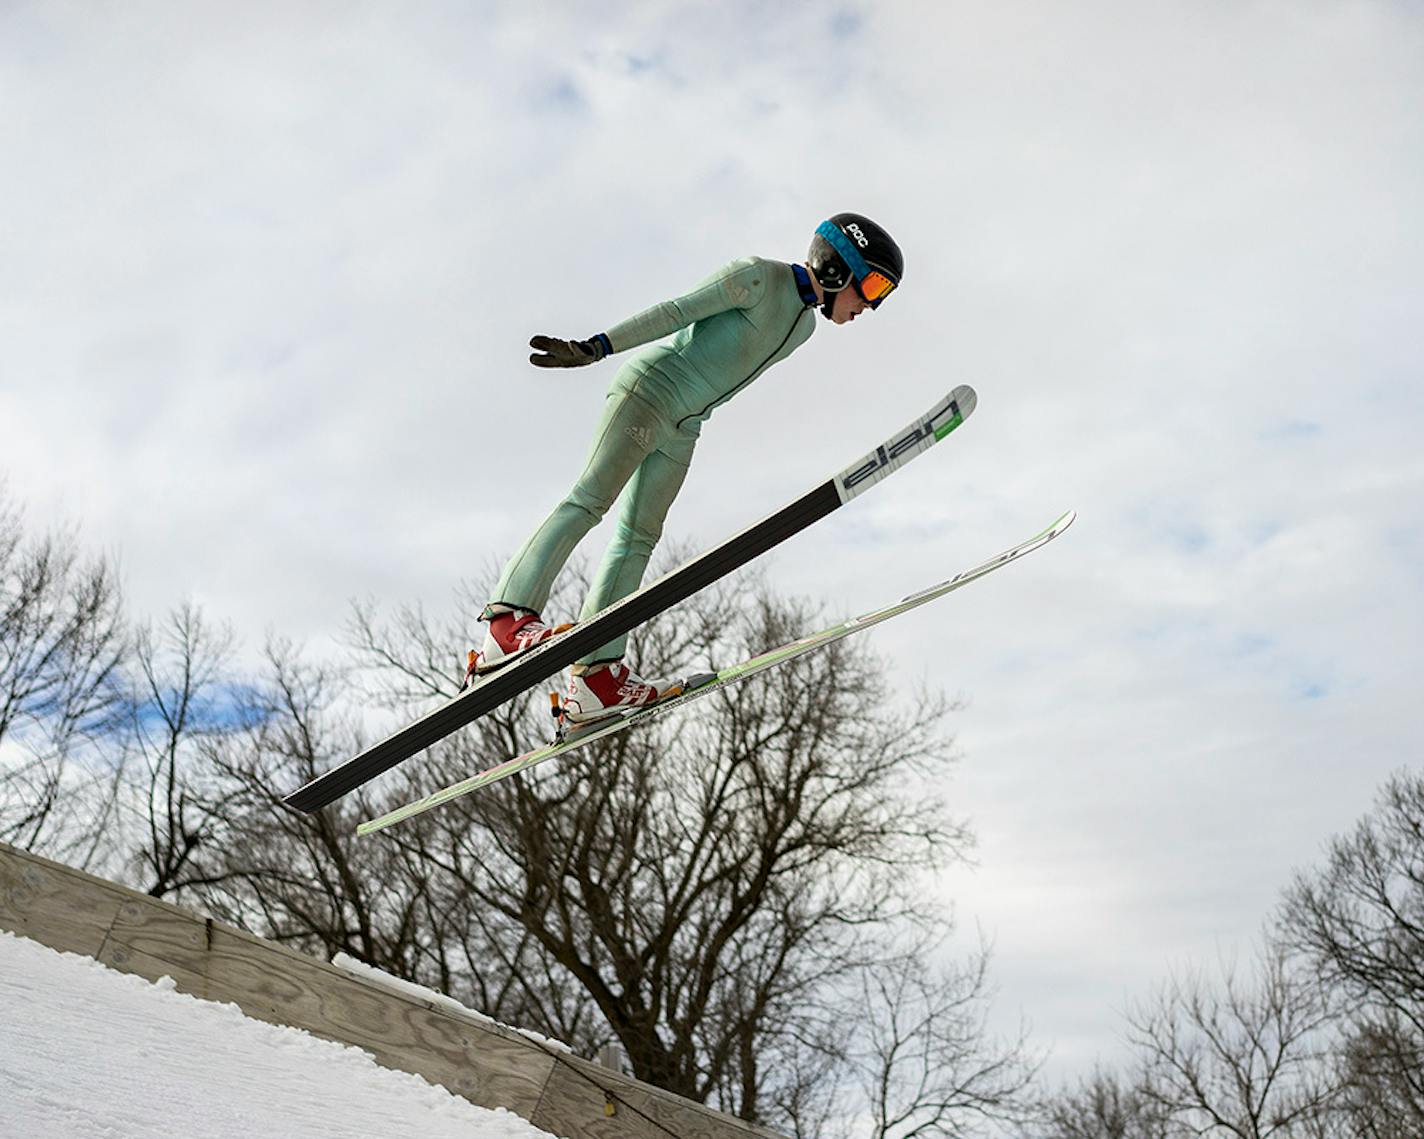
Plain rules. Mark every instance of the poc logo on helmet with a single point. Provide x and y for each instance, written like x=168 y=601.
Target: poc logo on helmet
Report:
x=860 y=238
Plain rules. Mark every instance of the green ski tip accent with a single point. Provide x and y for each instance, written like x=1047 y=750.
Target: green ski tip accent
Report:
x=945 y=428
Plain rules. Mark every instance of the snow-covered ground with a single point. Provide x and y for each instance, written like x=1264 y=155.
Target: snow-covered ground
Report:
x=89 y=1053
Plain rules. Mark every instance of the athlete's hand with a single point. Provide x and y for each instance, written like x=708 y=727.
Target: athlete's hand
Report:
x=551 y=353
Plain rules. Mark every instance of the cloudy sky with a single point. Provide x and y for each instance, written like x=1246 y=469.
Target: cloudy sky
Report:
x=267 y=272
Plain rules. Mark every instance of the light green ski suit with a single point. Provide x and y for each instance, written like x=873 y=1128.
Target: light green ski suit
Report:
x=730 y=329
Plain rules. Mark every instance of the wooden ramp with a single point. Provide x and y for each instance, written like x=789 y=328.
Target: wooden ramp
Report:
x=486 y=1063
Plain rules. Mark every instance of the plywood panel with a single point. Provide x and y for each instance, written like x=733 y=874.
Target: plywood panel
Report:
x=39 y=899
x=578 y=1094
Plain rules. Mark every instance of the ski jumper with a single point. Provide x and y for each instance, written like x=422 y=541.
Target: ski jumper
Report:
x=729 y=329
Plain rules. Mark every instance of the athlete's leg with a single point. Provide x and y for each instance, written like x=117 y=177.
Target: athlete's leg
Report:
x=629 y=428
x=641 y=512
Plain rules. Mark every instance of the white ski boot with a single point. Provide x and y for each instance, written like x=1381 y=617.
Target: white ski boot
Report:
x=605 y=689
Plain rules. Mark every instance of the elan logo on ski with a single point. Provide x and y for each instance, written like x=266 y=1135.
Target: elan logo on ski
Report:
x=885 y=458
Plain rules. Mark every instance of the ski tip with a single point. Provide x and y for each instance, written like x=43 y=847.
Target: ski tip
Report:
x=941 y=420
x=1054 y=528
x=967 y=399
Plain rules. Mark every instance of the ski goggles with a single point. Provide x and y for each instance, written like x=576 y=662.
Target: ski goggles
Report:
x=873 y=285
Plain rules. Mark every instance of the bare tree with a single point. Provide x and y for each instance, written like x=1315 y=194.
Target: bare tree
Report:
x=182 y=700
x=304 y=880
x=923 y=1059
x=1103 y=1106
x=691 y=889
x=61 y=642
x=1379 y=1070
x=1247 y=1058
x=1360 y=923
x=705 y=892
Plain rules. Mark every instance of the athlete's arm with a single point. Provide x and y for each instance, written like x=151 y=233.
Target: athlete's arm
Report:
x=738 y=285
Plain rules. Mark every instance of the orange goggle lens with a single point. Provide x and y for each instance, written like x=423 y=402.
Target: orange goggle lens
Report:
x=875 y=287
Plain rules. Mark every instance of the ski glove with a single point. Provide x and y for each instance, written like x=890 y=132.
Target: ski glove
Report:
x=551 y=353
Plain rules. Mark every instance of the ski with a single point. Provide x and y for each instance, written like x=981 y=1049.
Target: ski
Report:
x=710 y=682
x=631 y=611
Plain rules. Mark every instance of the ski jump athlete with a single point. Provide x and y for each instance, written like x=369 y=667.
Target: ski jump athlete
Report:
x=729 y=329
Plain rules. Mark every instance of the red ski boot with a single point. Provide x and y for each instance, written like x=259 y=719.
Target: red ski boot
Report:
x=509 y=634
x=603 y=689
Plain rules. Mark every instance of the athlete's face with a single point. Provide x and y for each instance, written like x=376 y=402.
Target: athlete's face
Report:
x=849 y=304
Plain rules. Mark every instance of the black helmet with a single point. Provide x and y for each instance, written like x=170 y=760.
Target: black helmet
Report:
x=852 y=248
